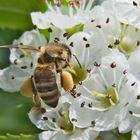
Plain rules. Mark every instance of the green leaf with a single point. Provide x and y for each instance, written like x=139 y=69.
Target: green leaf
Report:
x=21 y=136
x=14 y=119
x=6 y=37
x=15 y=14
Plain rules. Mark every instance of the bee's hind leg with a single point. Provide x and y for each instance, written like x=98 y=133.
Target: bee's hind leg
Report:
x=36 y=98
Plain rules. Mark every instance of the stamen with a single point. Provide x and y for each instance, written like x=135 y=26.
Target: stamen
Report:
x=134 y=114
x=111 y=101
x=102 y=76
x=97 y=94
x=87 y=90
x=120 y=83
x=114 y=76
x=116 y=94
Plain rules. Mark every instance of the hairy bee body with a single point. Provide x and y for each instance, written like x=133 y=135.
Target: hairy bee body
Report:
x=45 y=83
x=52 y=59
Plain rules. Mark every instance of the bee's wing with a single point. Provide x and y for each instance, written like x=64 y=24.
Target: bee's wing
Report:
x=26 y=88
x=22 y=47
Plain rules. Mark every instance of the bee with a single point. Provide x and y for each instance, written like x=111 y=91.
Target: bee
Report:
x=52 y=58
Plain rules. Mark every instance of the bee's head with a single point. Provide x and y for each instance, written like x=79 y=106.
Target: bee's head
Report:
x=58 y=53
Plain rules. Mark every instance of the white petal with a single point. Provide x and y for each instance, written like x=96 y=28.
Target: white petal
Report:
x=129 y=14
x=79 y=48
x=39 y=19
x=125 y=126
x=32 y=38
x=11 y=78
x=45 y=20
x=136 y=132
x=84 y=134
x=135 y=63
x=36 y=118
x=83 y=116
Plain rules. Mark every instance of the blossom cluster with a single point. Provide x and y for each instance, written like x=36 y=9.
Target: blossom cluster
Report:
x=104 y=41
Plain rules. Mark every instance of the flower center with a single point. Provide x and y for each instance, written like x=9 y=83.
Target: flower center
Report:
x=126 y=47
x=78 y=73
x=64 y=122
x=125 y=43
x=108 y=98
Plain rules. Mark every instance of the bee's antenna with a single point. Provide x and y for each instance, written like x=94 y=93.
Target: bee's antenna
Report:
x=24 y=47
x=77 y=61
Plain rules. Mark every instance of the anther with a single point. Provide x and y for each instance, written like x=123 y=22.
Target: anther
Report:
x=82 y=104
x=78 y=94
x=42 y=110
x=90 y=105
x=88 y=70
x=110 y=46
x=114 y=85
x=45 y=118
x=65 y=34
x=107 y=20
x=21 y=56
x=113 y=65
x=98 y=26
x=96 y=64
x=92 y=20
x=15 y=61
x=117 y=42
x=87 y=45
x=134 y=3
x=54 y=119
x=73 y=120
x=93 y=123
x=133 y=84
x=130 y=112
x=125 y=71
x=49 y=30
x=138 y=97
x=23 y=67
x=12 y=77
x=31 y=64
x=71 y=44
x=138 y=43
x=84 y=38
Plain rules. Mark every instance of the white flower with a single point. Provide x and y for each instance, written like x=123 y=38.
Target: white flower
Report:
x=128 y=12
x=106 y=95
x=132 y=120
x=62 y=17
x=124 y=37
x=57 y=125
x=22 y=63
x=86 y=49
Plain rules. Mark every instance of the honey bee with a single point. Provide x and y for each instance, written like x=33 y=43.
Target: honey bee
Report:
x=52 y=59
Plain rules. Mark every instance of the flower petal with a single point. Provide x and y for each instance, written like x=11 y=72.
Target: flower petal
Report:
x=11 y=78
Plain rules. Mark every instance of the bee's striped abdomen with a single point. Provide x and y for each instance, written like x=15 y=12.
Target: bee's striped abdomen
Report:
x=45 y=83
